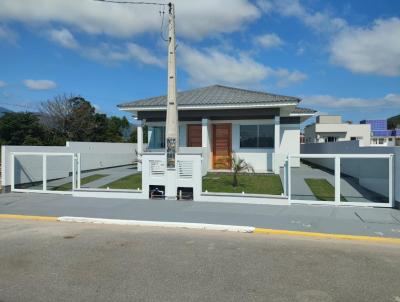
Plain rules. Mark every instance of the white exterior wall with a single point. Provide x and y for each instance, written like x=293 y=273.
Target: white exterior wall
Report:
x=93 y=156
x=263 y=160
x=290 y=143
x=260 y=158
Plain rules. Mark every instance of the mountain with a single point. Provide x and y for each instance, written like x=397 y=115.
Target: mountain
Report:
x=4 y=110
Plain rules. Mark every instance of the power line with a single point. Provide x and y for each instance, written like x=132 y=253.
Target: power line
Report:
x=133 y=2
x=162 y=11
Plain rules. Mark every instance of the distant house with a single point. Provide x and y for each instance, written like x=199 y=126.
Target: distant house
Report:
x=381 y=135
x=260 y=127
x=330 y=128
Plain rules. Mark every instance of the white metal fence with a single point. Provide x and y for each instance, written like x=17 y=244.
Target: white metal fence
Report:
x=43 y=172
x=356 y=179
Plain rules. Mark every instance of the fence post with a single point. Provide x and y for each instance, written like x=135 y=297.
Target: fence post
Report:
x=44 y=172
x=79 y=171
x=337 y=179
x=12 y=172
x=289 y=180
x=391 y=181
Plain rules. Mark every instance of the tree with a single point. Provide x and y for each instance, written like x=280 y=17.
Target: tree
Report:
x=239 y=165
x=17 y=128
x=75 y=119
x=116 y=127
x=394 y=122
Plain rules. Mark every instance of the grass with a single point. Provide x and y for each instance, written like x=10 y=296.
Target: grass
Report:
x=322 y=189
x=248 y=183
x=84 y=181
x=131 y=182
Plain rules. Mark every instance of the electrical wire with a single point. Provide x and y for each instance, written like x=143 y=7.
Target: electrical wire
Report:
x=133 y=2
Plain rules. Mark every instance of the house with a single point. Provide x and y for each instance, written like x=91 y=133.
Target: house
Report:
x=330 y=128
x=381 y=135
x=217 y=121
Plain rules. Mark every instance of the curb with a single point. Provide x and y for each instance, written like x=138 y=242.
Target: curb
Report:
x=183 y=225
x=205 y=226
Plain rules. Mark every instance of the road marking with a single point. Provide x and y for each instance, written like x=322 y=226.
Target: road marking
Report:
x=28 y=217
x=184 y=225
x=327 y=235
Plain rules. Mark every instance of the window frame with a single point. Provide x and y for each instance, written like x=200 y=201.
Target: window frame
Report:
x=257 y=147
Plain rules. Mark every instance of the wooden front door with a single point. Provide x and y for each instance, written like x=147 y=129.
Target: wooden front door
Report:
x=222 y=146
x=193 y=135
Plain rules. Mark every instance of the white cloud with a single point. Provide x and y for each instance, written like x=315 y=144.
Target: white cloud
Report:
x=105 y=52
x=330 y=101
x=2 y=84
x=7 y=34
x=39 y=84
x=269 y=40
x=210 y=66
x=373 y=50
x=287 y=78
x=195 y=19
x=143 y=55
x=318 y=21
x=63 y=37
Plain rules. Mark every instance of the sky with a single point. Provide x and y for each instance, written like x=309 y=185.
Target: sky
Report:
x=340 y=57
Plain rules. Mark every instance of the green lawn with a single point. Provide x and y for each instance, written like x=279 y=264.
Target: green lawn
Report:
x=248 y=183
x=322 y=189
x=132 y=182
x=84 y=181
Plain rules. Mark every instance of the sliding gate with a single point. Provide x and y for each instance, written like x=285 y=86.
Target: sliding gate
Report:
x=340 y=179
x=43 y=172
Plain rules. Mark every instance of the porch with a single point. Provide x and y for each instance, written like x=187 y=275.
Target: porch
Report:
x=262 y=143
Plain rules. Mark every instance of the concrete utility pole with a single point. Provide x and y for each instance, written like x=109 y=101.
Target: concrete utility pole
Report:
x=172 y=135
x=172 y=142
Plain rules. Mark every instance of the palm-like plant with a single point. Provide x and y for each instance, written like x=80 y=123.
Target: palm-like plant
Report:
x=239 y=165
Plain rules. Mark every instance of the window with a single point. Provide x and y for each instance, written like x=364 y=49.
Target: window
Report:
x=257 y=136
x=330 y=139
x=381 y=141
x=157 y=137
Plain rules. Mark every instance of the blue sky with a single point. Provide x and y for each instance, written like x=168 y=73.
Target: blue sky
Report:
x=340 y=57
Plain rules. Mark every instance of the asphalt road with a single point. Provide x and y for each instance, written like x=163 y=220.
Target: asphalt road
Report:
x=51 y=261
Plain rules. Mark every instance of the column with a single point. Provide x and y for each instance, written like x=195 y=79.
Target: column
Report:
x=139 y=146
x=277 y=142
x=205 y=143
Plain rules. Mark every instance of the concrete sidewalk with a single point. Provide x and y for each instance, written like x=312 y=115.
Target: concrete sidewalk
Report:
x=324 y=219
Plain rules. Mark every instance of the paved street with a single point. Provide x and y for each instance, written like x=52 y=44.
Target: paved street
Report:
x=325 y=219
x=52 y=261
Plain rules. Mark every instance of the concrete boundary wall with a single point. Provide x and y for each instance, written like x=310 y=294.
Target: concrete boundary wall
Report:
x=93 y=156
x=352 y=147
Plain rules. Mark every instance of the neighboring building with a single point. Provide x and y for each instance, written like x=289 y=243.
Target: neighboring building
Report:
x=261 y=128
x=381 y=135
x=330 y=128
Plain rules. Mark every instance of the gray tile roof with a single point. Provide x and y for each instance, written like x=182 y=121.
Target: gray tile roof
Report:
x=213 y=95
x=299 y=110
